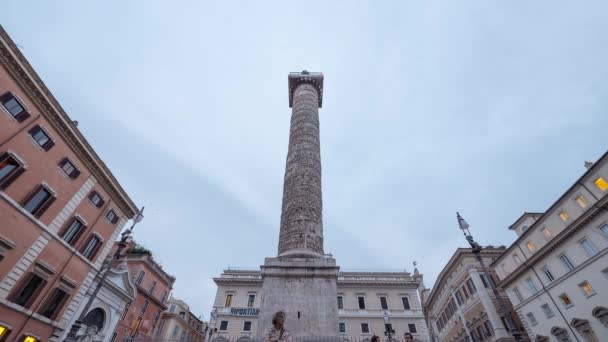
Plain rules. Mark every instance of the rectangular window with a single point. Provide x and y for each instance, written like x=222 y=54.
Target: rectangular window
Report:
x=228 y=302
x=10 y=169
x=340 y=302
x=111 y=216
x=486 y=280
x=412 y=328
x=140 y=277
x=53 y=305
x=223 y=325
x=564 y=215
x=464 y=290
x=72 y=233
x=144 y=307
x=601 y=184
x=518 y=294
x=471 y=286
x=588 y=247
x=565 y=299
x=480 y=332
x=96 y=199
x=548 y=273
x=581 y=201
x=586 y=288
x=4 y=332
x=547 y=232
x=152 y=287
x=531 y=246
x=68 y=168
x=604 y=230
x=91 y=248
x=41 y=138
x=14 y=107
x=531 y=318
x=364 y=328
x=459 y=298
x=488 y=328
x=30 y=288
x=342 y=327
x=251 y=301
x=247 y=326
x=388 y=327
x=157 y=316
x=547 y=310
x=406 y=303
x=162 y=298
x=567 y=263
x=383 y=303
x=39 y=201
x=28 y=338
x=361 y=303
x=531 y=285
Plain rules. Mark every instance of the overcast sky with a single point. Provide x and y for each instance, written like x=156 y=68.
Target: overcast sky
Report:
x=489 y=108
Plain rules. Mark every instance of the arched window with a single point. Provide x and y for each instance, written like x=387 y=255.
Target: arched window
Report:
x=601 y=313
x=541 y=338
x=561 y=334
x=584 y=328
x=95 y=317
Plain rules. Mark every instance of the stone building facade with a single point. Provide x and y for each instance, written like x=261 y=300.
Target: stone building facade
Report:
x=140 y=320
x=60 y=206
x=362 y=300
x=462 y=306
x=556 y=272
x=179 y=323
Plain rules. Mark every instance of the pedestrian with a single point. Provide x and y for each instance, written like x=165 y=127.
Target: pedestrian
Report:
x=375 y=338
x=278 y=333
x=407 y=337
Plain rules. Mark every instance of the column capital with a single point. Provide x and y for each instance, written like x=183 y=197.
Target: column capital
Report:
x=305 y=77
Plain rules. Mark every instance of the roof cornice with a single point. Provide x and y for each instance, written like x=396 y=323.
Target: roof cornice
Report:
x=23 y=73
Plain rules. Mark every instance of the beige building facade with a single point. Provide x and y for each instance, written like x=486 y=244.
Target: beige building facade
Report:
x=178 y=323
x=556 y=272
x=363 y=301
x=461 y=306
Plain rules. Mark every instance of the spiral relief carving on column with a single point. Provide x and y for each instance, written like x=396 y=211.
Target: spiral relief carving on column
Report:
x=301 y=232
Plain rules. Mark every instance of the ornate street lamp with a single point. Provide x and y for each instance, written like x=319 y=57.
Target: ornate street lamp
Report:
x=388 y=326
x=104 y=270
x=503 y=309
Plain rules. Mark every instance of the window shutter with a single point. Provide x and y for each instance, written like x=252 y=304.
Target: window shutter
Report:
x=101 y=203
x=75 y=174
x=5 y=97
x=63 y=162
x=48 y=145
x=34 y=130
x=115 y=219
x=5 y=183
x=44 y=206
x=3 y=156
x=22 y=116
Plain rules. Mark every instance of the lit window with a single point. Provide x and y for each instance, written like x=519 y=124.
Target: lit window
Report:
x=228 y=302
x=548 y=273
x=547 y=232
x=565 y=299
x=587 y=289
x=28 y=338
x=531 y=318
x=547 y=310
x=601 y=183
x=588 y=247
x=41 y=138
x=531 y=246
x=4 y=332
x=567 y=263
x=582 y=202
x=564 y=215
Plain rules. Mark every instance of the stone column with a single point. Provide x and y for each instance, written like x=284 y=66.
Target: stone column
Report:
x=301 y=232
x=488 y=304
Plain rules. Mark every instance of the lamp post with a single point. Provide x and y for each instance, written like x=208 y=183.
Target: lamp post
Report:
x=388 y=327
x=104 y=271
x=503 y=309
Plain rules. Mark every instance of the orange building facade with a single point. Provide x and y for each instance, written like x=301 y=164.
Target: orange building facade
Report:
x=142 y=318
x=61 y=208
